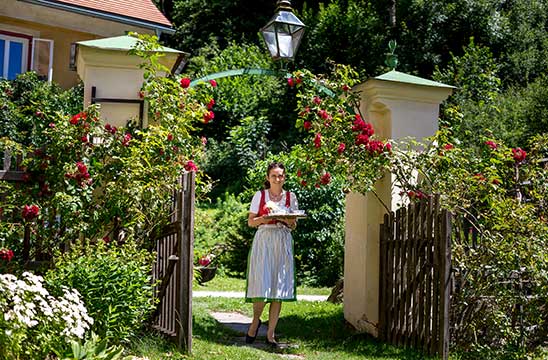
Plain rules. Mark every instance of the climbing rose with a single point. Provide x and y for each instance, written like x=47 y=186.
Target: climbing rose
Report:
x=317 y=100
x=210 y=104
x=345 y=87
x=341 y=148
x=82 y=168
x=323 y=114
x=362 y=139
x=388 y=147
x=290 y=82
x=6 y=254
x=208 y=116
x=127 y=138
x=359 y=124
x=84 y=138
x=326 y=178
x=185 y=82
x=299 y=174
x=190 y=166
x=307 y=125
x=318 y=140
x=493 y=145
x=169 y=137
x=30 y=212
x=519 y=154
x=303 y=182
x=204 y=140
x=213 y=83
x=74 y=120
x=448 y=146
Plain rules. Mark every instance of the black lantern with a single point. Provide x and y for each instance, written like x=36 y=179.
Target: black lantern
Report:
x=283 y=33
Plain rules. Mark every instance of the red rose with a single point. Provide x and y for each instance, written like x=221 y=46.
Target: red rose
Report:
x=213 y=82
x=185 y=82
x=170 y=137
x=493 y=145
x=411 y=194
x=74 y=120
x=367 y=129
x=388 y=147
x=108 y=127
x=323 y=114
x=519 y=154
x=318 y=140
x=141 y=94
x=190 y=166
x=326 y=178
x=6 y=254
x=317 y=100
x=82 y=168
x=307 y=125
x=84 y=138
x=126 y=139
x=448 y=146
x=303 y=182
x=495 y=182
x=374 y=146
x=299 y=174
x=359 y=124
x=208 y=116
x=298 y=80
x=51 y=125
x=210 y=104
x=290 y=82
x=30 y=212
x=479 y=177
x=341 y=148
x=362 y=139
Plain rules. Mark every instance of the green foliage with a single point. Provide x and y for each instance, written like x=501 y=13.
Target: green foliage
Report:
x=115 y=285
x=28 y=105
x=92 y=349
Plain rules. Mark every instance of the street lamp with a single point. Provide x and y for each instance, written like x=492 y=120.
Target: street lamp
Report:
x=283 y=32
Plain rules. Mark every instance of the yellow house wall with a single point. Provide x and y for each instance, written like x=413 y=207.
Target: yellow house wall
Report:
x=60 y=26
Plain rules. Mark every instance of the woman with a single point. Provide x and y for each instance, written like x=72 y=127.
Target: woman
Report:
x=271 y=266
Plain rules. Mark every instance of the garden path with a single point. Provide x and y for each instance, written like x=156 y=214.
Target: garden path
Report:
x=239 y=323
x=237 y=294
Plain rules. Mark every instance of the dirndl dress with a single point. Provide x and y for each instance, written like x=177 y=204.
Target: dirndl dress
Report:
x=270 y=263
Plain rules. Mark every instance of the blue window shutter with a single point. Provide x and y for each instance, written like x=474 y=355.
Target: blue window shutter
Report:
x=15 y=60
x=2 y=50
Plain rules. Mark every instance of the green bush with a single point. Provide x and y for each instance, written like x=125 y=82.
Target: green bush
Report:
x=115 y=284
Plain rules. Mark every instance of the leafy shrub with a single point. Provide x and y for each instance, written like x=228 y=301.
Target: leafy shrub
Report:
x=115 y=284
x=33 y=322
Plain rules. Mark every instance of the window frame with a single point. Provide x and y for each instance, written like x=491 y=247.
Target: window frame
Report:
x=26 y=40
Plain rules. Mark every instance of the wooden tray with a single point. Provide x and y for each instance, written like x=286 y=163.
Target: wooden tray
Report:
x=285 y=216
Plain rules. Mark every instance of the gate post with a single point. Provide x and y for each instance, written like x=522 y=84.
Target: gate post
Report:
x=398 y=105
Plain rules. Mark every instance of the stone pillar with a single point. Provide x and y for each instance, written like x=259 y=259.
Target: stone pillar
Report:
x=106 y=65
x=398 y=105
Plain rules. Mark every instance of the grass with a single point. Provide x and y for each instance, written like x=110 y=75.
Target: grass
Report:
x=316 y=330
x=224 y=283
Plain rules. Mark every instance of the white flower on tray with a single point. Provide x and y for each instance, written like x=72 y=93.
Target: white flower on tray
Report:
x=275 y=209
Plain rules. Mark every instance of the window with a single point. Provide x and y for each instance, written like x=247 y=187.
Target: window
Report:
x=42 y=58
x=14 y=56
x=20 y=53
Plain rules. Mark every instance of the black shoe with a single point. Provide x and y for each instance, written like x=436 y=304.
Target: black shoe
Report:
x=273 y=344
x=251 y=339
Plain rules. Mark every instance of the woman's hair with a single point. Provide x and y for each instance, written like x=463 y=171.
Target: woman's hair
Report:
x=274 y=165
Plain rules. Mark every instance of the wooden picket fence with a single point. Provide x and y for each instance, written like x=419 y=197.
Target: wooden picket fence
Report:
x=173 y=268
x=415 y=277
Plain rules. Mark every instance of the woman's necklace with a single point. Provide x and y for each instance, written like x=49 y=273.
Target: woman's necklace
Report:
x=274 y=197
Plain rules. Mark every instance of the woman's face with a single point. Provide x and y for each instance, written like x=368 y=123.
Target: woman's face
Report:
x=276 y=177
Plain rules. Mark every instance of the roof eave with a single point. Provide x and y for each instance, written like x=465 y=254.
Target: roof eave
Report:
x=159 y=28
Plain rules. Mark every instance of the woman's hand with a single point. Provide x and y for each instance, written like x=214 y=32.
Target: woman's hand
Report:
x=290 y=223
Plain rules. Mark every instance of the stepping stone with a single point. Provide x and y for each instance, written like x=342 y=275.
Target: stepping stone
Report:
x=240 y=323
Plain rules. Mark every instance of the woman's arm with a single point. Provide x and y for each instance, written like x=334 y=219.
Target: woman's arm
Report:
x=254 y=221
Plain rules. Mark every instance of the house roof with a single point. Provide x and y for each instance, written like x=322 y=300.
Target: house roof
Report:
x=122 y=43
x=137 y=12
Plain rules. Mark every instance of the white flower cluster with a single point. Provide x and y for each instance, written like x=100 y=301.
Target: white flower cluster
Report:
x=275 y=209
x=26 y=303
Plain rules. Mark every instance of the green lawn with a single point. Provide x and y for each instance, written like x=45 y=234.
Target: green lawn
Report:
x=316 y=330
x=224 y=283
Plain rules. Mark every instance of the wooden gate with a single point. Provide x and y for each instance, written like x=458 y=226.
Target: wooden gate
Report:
x=173 y=268
x=415 y=277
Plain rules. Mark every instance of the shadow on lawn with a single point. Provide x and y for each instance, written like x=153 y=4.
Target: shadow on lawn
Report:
x=323 y=332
